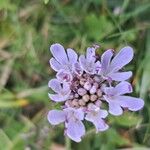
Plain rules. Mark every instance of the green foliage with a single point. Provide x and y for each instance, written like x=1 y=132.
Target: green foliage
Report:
x=27 y=28
x=127 y=120
x=97 y=27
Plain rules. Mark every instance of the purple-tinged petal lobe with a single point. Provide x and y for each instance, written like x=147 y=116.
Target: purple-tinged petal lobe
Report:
x=120 y=89
x=105 y=60
x=87 y=66
x=75 y=130
x=55 y=85
x=132 y=103
x=74 y=114
x=110 y=91
x=103 y=113
x=62 y=90
x=65 y=89
x=58 y=97
x=123 y=88
x=90 y=54
x=95 y=115
x=114 y=108
x=98 y=67
x=64 y=76
x=120 y=76
x=100 y=125
x=79 y=113
x=77 y=69
x=72 y=56
x=59 y=53
x=56 y=116
x=122 y=58
x=55 y=65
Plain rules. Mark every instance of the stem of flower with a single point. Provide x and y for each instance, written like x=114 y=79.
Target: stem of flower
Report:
x=67 y=143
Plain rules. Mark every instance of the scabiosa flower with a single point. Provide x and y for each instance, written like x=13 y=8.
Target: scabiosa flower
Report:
x=86 y=84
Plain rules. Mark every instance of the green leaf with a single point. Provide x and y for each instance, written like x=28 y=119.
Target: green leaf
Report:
x=97 y=27
x=4 y=140
x=114 y=138
x=6 y=4
x=46 y=1
x=145 y=81
x=128 y=119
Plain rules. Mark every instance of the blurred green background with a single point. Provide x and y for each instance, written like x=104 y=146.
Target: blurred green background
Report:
x=28 y=28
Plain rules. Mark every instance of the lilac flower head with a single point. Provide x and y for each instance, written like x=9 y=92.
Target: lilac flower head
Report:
x=84 y=84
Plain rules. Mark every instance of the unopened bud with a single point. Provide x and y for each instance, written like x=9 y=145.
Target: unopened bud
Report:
x=81 y=102
x=86 y=98
x=75 y=102
x=93 y=98
x=96 y=84
x=87 y=86
x=82 y=81
x=81 y=91
x=93 y=90
x=69 y=103
x=71 y=96
x=97 y=79
x=99 y=93
x=98 y=103
x=76 y=95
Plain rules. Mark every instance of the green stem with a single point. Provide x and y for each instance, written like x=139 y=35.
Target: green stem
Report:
x=68 y=143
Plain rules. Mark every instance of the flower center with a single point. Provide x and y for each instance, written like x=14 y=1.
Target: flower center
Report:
x=85 y=89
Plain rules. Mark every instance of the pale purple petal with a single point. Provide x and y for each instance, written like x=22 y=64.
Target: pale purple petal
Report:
x=114 y=108
x=122 y=58
x=95 y=115
x=105 y=60
x=131 y=103
x=75 y=130
x=100 y=125
x=82 y=61
x=120 y=76
x=103 y=113
x=56 y=116
x=59 y=53
x=55 y=85
x=65 y=88
x=73 y=113
x=64 y=76
x=79 y=113
x=55 y=65
x=109 y=91
x=98 y=67
x=58 y=97
x=72 y=56
x=90 y=54
x=120 y=89
x=77 y=69
x=87 y=66
x=123 y=88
